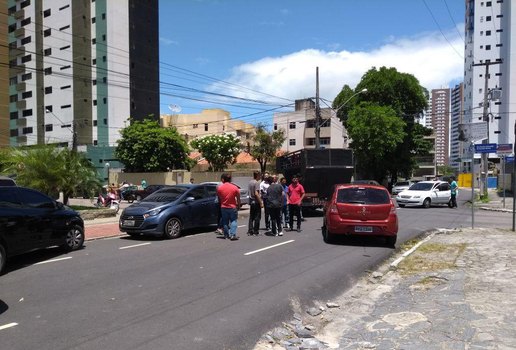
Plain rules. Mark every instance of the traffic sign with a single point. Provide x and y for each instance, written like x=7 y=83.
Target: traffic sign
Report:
x=504 y=148
x=509 y=159
x=485 y=148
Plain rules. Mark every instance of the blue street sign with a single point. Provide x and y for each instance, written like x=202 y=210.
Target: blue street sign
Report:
x=509 y=159
x=485 y=148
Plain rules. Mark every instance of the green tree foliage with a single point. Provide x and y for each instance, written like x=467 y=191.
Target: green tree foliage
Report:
x=408 y=99
x=219 y=150
x=375 y=131
x=343 y=104
x=53 y=170
x=266 y=145
x=147 y=147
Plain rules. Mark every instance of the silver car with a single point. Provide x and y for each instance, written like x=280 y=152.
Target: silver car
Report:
x=401 y=186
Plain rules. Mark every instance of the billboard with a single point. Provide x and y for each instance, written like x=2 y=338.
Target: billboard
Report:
x=471 y=132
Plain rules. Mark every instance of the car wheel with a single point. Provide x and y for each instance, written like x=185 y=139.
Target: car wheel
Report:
x=328 y=237
x=173 y=228
x=426 y=203
x=74 y=238
x=391 y=241
x=401 y=205
x=3 y=258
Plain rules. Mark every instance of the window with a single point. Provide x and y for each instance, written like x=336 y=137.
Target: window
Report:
x=26 y=76
x=27 y=58
x=26 y=94
x=46 y=13
x=195 y=126
x=292 y=125
x=12 y=28
x=27 y=113
x=48 y=90
x=48 y=71
x=94 y=41
x=488 y=33
x=103 y=37
x=25 y=4
x=94 y=123
x=64 y=126
x=63 y=28
x=13 y=98
x=13 y=132
x=488 y=47
x=104 y=80
x=94 y=102
x=47 y=52
x=65 y=67
x=49 y=108
x=26 y=40
x=25 y=22
x=35 y=199
x=93 y=20
x=94 y=82
x=205 y=126
x=13 y=115
x=64 y=7
x=47 y=32
x=488 y=4
x=94 y=61
x=66 y=106
x=104 y=59
x=11 y=10
x=27 y=130
x=275 y=126
x=65 y=47
x=292 y=142
x=49 y=127
x=65 y=87
x=103 y=16
x=104 y=100
x=488 y=18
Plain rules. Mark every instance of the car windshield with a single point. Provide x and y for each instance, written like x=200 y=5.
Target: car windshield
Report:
x=422 y=186
x=402 y=183
x=166 y=195
x=359 y=195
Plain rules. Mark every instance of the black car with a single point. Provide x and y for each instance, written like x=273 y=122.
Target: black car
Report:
x=31 y=220
x=170 y=210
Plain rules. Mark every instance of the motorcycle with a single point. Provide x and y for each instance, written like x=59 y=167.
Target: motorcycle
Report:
x=108 y=200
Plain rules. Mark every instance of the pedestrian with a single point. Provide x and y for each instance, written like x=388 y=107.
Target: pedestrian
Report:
x=296 y=193
x=255 y=204
x=220 y=227
x=144 y=184
x=264 y=185
x=275 y=197
x=192 y=180
x=229 y=199
x=284 y=207
x=454 y=191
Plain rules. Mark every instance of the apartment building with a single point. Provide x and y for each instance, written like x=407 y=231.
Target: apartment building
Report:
x=440 y=112
x=4 y=79
x=79 y=70
x=299 y=127
x=456 y=118
x=490 y=56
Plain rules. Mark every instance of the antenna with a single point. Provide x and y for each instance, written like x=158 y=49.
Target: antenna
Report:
x=174 y=108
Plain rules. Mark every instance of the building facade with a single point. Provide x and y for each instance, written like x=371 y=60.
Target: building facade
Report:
x=490 y=52
x=440 y=112
x=456 y=118
x=299 y=127
x=79 y=70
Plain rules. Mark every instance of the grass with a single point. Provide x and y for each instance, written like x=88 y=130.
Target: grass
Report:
x=82 y=207
x=431 y=257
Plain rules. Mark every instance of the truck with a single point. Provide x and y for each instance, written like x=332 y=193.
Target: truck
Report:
x=319 y=171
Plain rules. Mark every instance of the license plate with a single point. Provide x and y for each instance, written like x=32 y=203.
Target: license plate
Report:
x=363 y=229
x=128 y=223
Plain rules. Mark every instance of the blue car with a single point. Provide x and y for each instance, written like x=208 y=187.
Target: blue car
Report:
x=171 y=210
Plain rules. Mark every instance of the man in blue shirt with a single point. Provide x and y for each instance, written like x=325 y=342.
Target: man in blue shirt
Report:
x=454 y=191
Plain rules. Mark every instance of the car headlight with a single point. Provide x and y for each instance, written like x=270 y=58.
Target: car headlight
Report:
x=417 y=197
x=153 y=212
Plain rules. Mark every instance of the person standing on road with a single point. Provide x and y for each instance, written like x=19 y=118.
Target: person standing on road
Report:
x=296 y=193
x=255 y=205
x=454 y=192
x=264 y=185
x=284 y=207
x=275 y=197
x=229 y=199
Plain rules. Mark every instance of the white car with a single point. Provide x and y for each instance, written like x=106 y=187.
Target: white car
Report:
x=401 y=186
x=425 y=194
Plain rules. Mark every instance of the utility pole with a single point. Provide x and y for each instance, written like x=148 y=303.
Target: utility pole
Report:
x=74 y=138
x=317 y=112
x=485 y=118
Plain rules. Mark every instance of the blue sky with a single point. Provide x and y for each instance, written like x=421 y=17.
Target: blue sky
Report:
x=251 y=57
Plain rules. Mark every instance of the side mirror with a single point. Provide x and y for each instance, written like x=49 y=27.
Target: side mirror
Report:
x=59 y=205
x=189 y=199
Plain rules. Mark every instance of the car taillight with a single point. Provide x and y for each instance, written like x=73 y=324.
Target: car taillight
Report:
x=333 y=209
x=393 y=207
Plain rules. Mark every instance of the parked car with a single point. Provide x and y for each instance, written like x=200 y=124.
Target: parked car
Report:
x=135 y=193
x=31 y=220
x=360 y=209
x=6 y=181
x=400 y=186
x=425 y=194
x=171 y=210
x=365 y=182
x=244 y=193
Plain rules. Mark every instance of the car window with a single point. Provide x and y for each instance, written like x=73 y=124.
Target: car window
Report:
x=35 y=199
x=7 y=182
x=9 y=198
x=363 y=196
x=402 y=183
x=166 y=194
x=421 y=186
x=212 y=191
x=444 y=186
x=197 y=193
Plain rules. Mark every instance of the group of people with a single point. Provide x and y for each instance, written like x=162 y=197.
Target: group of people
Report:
x=280 y=203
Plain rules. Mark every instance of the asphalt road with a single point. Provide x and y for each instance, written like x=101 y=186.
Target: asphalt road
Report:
x=196 y=292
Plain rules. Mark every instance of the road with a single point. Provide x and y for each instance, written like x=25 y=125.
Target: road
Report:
x=196 y=292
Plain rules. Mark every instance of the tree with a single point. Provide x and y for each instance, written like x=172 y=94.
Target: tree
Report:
x=53 y=170
x=375 y=131
x=145 y=146
x=219 y=150
x=343 y=107
x=266 y=145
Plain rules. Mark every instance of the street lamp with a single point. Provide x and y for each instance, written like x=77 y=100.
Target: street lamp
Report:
x=349 y=99
x=107 y=165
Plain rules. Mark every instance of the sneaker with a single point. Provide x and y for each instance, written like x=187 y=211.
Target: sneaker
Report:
x=233 y=238
x=280 y=233
x=219 y=232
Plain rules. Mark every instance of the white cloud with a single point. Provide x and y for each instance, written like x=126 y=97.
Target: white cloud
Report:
x=429 y=57
x=166 y=41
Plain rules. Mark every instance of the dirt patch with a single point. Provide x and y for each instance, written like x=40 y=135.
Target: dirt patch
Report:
x=431 y=257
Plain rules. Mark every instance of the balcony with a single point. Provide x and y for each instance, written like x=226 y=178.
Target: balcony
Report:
x=20 y=14
x=19 y=51
x=18 y=69
x=21 y=104
x=21 y=122
x=21 y=140
x=21 y=86
x=19 y=32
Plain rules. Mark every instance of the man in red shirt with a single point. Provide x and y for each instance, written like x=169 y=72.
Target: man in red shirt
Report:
x=295 y=193
x=229 y=199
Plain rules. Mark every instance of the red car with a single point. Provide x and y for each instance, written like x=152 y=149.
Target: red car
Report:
x=361 y=210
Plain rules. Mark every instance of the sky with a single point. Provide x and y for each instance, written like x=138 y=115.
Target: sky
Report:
x=256 y=57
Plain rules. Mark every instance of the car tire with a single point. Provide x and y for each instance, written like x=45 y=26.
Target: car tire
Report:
x=391 y=241
x=173 y=228
x=328 y=237
x=3 y=258
x=426 y=203
x=74 y=238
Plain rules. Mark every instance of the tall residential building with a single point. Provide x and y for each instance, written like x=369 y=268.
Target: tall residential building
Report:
x=299 y=127
x=456 y=116
x=440 y=112
x=490 y=36
x=428 y=114
x=81 y=68
x=4 y=78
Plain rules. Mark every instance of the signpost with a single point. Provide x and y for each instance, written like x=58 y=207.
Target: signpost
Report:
x=485 y=148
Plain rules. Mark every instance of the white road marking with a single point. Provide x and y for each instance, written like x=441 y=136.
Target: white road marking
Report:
x=133 y=246
x=9 y=325
x=52 y=260
x=241 y=225
x=269 y=247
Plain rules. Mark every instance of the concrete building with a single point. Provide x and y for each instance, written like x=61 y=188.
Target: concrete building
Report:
x=4 y=78
x=299 y=127
x=81 y=68
x=208 y=122
x=440 y=112
x=490 y=36
x=456 y=118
